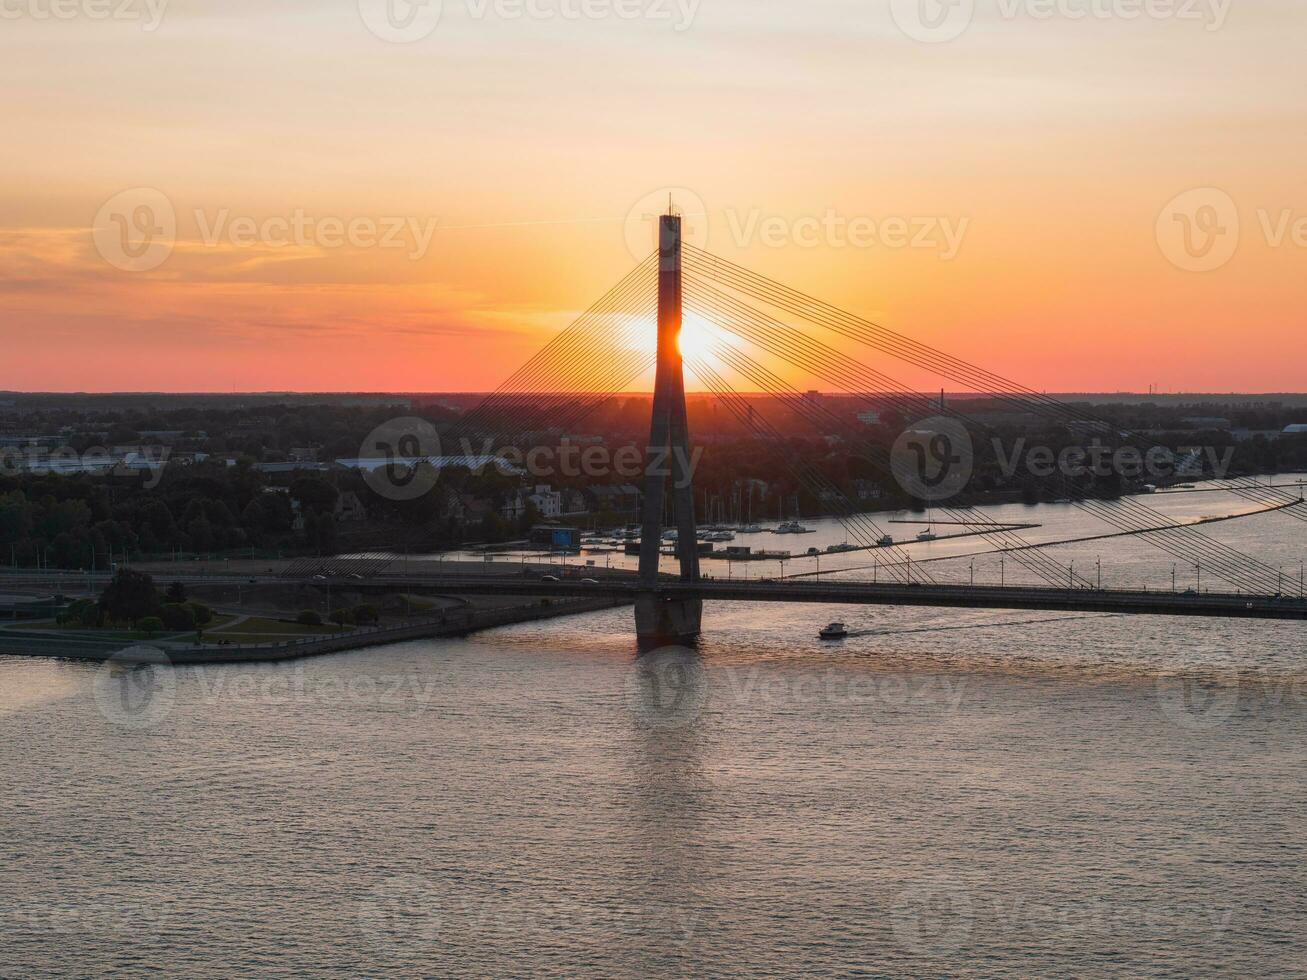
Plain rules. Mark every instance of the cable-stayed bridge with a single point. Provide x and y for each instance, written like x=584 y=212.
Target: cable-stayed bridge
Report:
x=715 y=318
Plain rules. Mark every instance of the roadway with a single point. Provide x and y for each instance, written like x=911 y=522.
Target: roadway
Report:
x=619 y=585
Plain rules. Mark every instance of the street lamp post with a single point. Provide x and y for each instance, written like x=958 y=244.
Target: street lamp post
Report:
x=973 y=572
x=1100 y=574
x=1172 y=576
x=1002 y=572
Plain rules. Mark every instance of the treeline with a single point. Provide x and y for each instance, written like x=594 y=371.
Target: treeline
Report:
x=88 y=521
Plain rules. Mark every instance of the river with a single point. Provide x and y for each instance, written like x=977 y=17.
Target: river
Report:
x=946 y=793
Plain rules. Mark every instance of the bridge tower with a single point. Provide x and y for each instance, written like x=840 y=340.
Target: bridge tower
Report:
x=659 y=621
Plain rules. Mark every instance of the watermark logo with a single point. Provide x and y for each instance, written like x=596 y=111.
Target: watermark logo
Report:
x=401 y=21
x=667 y=688
x=932 y=919
x=136 y=688
x=136 y=230
x=1198 y=231
x=641 y=225
x=933 y=21
x=401 y=459
x=399 y=914
x=1195 y=703
x=933 y=460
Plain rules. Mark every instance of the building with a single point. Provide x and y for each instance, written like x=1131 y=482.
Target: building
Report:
x=547 y=502
x=1189 y=462
x=623 y=499
x=556 y=538
x=866 y=490
x=350 y=508
x=290 y=466
x=869 y=418
x=1295 y=430
x=574 y=502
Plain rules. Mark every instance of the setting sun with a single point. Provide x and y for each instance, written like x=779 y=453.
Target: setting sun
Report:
x=696 y=338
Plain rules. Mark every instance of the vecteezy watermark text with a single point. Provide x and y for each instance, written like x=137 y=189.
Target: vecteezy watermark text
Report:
x=670 y=688
x=934 y=460
x=1099 y=460
x=942 y=234
x=407 y=21
x=146 y=461
x=402 y=460
x=299 y=228
x=148 y=13
x=137 y=230
x=941 y=918
x=938 y=21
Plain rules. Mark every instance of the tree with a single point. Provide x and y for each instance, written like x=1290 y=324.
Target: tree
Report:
x=314 y=494
x=366 y=615
x=130 y=596
x=151 y=624
x=309 y=617
x=202 y=614
x=177 y=616
x=176 y=592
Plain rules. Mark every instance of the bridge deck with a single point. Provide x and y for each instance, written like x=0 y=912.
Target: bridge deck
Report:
x=625 y=586
x=865 y=593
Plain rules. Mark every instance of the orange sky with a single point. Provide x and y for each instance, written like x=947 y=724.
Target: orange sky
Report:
x=516 y=152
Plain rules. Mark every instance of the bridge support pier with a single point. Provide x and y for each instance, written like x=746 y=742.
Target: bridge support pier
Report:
x=658 y=621
x=661 y=622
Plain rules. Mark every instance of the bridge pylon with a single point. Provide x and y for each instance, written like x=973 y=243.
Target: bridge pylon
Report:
x=660 y=621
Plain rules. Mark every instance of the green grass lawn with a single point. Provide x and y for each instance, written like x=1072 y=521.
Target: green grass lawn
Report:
x=258 y=629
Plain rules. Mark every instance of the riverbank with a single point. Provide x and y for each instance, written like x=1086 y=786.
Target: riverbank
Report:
x=69 y=646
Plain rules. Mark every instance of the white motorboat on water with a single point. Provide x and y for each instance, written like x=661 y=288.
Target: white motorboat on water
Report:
x=835 y=631
x=927 y=535
x=751 y=529
x=886 y=541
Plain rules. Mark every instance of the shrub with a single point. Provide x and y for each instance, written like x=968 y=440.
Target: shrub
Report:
x=83 y=612
x=150 y=624
x=308 y=617
x=202 y=613
x=366 y=615
x=176 y=616
x=341 y=617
